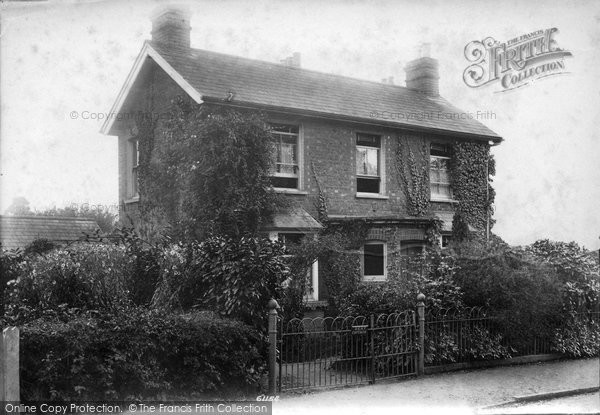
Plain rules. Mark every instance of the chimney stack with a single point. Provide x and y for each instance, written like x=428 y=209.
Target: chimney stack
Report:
x=422 y=74
x=171 y=26
x=292 y=61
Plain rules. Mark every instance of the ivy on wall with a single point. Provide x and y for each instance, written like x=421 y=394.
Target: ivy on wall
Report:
x=321 y=202
x=413 y=173
x=207 y=171
x=471 y=167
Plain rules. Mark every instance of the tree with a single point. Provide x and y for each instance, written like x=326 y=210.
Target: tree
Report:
x=105 y=219
x=19 y=207
x=208 y=171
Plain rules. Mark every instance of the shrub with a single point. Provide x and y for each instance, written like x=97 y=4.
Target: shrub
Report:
x=83 y=276
x=431 y=275
x=9 y=270
x=580 y=337
x=236 y=278
x=139 y=354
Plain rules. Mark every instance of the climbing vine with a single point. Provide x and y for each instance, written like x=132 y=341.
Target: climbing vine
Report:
x=321 y=202
x=414 y=176
x=471 y=167
x=208 y=171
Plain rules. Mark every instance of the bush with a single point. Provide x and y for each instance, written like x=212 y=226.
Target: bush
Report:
x=83 y=276
x=431 y=275
x=579 y=338
x=236 y=278
x=139 y=354
x=533 y=291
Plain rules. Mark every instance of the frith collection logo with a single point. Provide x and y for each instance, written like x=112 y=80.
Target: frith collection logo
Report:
x=515 y=63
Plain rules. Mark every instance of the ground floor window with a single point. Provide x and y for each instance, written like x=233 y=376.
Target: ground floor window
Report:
x=445 y=240
x=374 y=261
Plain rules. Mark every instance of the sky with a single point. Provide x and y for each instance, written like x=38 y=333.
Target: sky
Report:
x=61 y=62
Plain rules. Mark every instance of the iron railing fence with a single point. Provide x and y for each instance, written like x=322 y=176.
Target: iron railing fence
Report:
x=341 y=351
x=326 y=352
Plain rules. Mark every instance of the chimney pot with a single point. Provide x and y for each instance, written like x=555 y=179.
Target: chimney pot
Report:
x=171 y=26
x=293 y=61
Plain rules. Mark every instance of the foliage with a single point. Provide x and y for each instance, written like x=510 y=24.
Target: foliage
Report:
x=413 y=174
x=103 y=216
x=19 y=207
x=471 y=168
x=208 y=172
x=533 y=291
x=39 y=246
x=233 y=277
x=139 y=354
x=9 y=270
x=431 y=275
x=83 y=277
x=475 y=343
x=579 y=337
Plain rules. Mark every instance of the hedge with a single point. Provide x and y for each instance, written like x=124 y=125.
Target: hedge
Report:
x=139 y=354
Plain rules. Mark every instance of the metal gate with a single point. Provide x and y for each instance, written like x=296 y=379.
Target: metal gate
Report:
x=327 y=352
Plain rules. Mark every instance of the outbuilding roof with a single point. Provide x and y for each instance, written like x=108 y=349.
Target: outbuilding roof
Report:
x=20 y=231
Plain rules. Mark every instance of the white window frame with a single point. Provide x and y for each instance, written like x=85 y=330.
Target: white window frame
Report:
x=300 y=158
x=314 y=271
x=133 y=164
x=441 y=240
x=380 y=166
x=374 y=278
x=438 y=196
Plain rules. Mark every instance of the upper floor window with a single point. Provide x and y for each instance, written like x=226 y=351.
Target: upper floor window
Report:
x=374 y=261
x=439 y=172
x=368 y=161
x=285 y=156
x=135 y=164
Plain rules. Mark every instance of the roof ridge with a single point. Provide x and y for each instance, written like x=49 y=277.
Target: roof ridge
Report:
x=184 y=50
x=71 y=218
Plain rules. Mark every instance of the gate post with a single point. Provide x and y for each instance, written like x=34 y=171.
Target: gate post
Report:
x=273 y=306
x=9 y=365
x=421 y=315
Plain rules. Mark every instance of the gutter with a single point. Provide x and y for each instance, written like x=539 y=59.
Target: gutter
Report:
x=358 y=120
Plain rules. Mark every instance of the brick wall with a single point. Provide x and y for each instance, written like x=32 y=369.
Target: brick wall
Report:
x=329 y=146
x=151 y=96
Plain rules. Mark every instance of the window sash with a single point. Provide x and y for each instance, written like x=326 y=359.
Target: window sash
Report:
x=367 y=161
x=376 y=259
x=439 y=177
x=135 y=163
x=285 y=154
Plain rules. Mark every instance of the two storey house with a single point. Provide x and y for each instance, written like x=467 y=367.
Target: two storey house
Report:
x=345 y=141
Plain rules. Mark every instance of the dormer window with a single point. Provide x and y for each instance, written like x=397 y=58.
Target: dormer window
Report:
x=286 y=170
x=439 y=172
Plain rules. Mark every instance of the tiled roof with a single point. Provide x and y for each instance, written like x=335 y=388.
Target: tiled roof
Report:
x=215 y=75
x=20 y=231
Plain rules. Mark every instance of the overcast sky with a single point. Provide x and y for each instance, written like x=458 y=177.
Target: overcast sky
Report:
x=58 y=58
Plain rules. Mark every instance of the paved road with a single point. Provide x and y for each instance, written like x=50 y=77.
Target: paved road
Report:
x=458 y=392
